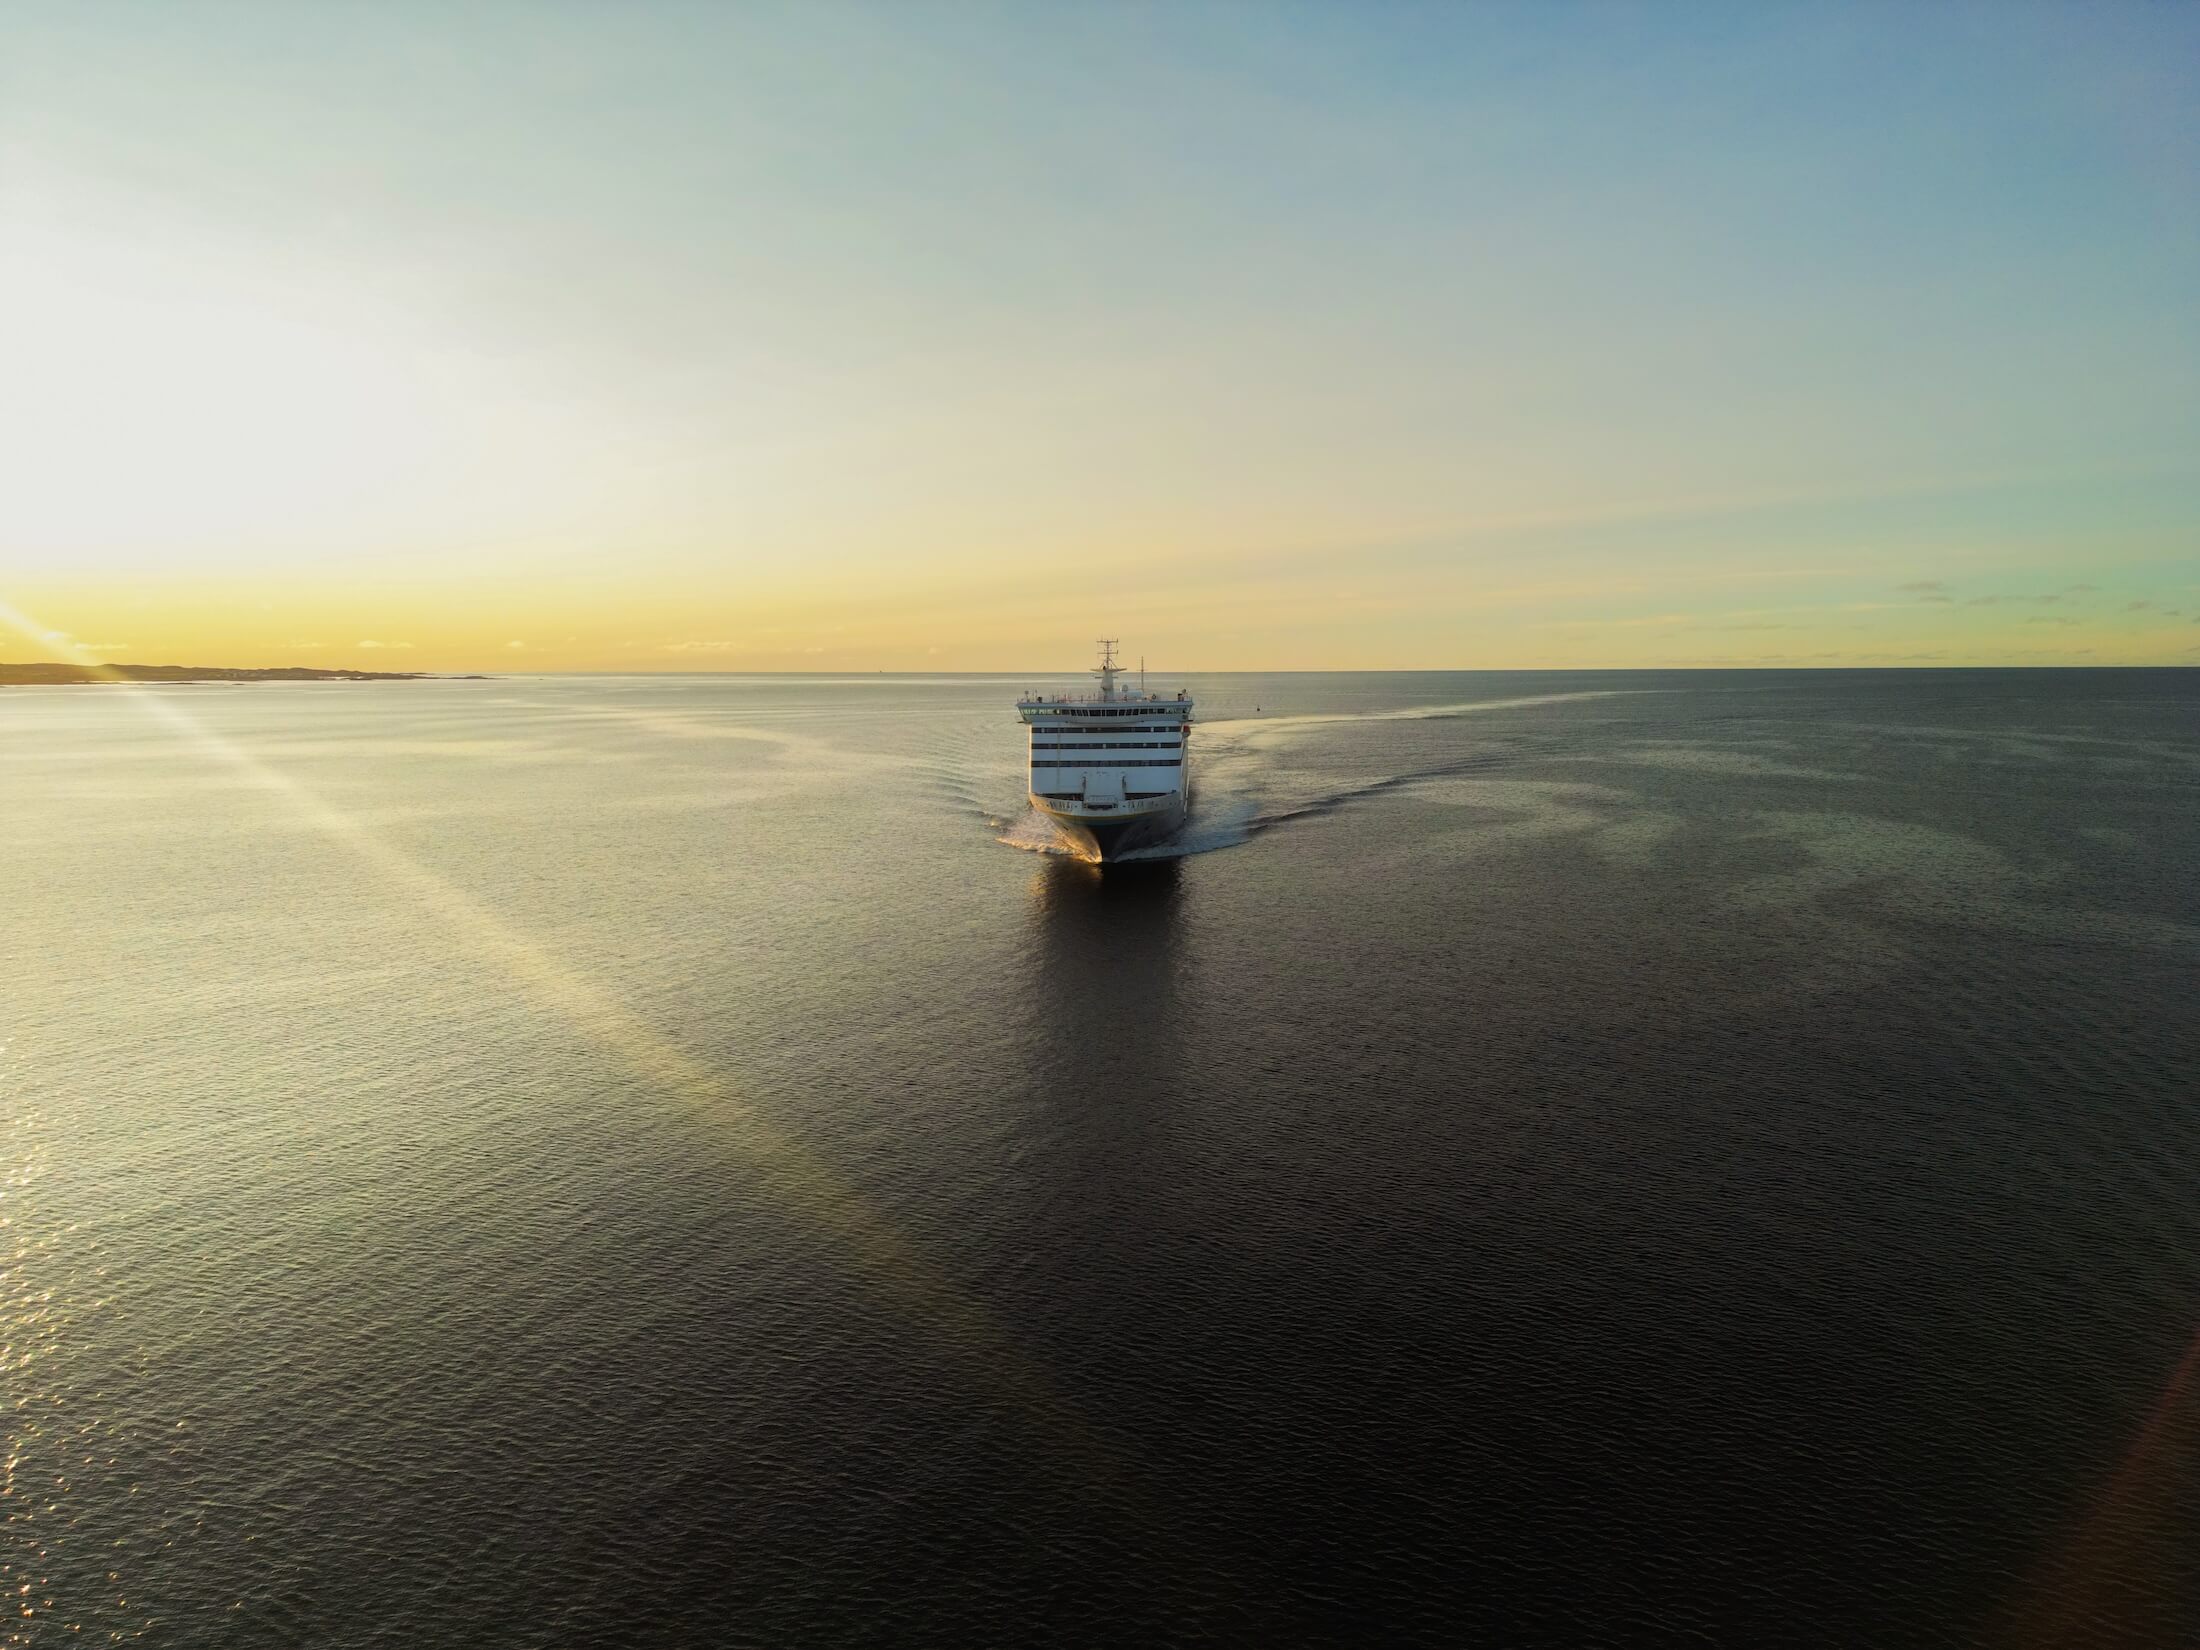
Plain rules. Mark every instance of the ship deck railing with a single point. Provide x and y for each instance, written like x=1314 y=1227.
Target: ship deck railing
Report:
x=1104 y=699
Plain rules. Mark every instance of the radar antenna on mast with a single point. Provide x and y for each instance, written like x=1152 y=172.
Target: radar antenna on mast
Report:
x=1107 y=669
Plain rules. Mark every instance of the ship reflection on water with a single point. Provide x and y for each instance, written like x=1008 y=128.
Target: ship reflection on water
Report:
x=1108 y=926
x=1072 y=888
x=1108 y=941
x=1109 y=1134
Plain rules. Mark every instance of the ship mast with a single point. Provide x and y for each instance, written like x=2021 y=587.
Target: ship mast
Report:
x=1107 y=670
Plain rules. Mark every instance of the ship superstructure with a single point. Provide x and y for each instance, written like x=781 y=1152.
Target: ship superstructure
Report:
x=1109 y=768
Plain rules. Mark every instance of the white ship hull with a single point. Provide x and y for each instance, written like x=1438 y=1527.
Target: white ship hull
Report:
x=1110 y=836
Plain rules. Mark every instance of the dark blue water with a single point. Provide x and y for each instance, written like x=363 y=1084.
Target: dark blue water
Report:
x=1564 y=1160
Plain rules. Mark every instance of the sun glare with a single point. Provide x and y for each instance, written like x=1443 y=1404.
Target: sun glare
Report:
x=156 y=402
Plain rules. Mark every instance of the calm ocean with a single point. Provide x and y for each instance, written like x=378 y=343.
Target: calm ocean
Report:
x=1567 y=1159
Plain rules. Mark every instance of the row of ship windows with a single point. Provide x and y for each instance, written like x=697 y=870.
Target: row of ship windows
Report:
x=1128 y=762
x=1115 y=745
x=1096 y=710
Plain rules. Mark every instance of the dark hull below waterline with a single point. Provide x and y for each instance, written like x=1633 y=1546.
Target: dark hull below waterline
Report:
x=1107 y=840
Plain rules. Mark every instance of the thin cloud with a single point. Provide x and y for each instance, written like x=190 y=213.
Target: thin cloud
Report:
x=1636 y=624
x=2082 y=589
x=515 y=646
x=2137 y=607
x=2044 y=619
x=372 y=643
x=1983 y=601
x=1923 y=584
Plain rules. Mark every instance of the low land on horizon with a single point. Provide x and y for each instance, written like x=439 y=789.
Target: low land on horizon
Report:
x=42 y=674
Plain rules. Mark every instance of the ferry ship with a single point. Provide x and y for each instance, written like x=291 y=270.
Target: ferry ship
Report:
x=1109 y=767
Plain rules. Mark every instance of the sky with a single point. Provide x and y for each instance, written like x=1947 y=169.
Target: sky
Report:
x=945 y=336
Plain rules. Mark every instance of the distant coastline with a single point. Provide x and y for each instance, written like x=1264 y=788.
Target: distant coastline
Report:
x=56 y=675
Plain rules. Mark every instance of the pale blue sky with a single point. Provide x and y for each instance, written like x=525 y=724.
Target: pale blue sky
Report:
x=1303 y=332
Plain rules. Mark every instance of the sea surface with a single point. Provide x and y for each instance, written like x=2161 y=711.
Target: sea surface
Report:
x=1550 y=1160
